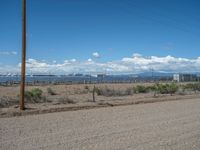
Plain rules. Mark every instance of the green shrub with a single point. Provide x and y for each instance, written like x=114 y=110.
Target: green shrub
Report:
x=165 y=88
x=197 y=86
x=141 y=89
x=172 y=88
x=168 y=88
x=151 y=88
x=188 y=86
x=28 y=95
x=162 y=88
x=35 y=95
x=192 y=86
x=105 y=91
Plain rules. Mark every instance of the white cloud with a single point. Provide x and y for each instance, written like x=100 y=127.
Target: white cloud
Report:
x=14 y=53
x=73 y=60
x=168 y=63
x=89 y=60
x=137 y=55
x=4 y=69
x=8 y=53
x=96 y=55
x=135 y=64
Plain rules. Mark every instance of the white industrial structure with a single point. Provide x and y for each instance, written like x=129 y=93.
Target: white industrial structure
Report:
x=184 y=77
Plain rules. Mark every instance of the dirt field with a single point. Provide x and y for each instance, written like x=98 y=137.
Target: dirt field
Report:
x=64 y=90
x=155 y=126
x=75 y=97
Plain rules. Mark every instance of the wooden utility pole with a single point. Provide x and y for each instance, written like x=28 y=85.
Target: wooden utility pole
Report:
x=23 y=63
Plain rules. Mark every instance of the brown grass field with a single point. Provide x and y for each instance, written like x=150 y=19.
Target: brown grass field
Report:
x=70 y=97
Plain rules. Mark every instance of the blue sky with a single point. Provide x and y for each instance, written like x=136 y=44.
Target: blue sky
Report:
x=60 y=30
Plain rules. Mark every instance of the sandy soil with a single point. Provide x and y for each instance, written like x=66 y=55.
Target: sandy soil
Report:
x=155 y=126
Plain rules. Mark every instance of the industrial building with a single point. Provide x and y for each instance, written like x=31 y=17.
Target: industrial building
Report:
x=185 y=77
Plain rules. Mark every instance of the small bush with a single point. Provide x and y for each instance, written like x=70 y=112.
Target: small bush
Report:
x=169 y=88
x=86 y=87
x=98 y=91
x=188 y=86
x=111 y=92
x=28 y=95
x=108 y=92
x=50 y=91
x=181 y=91
x=162 y=88
x=151 y=88
x=134 y=89
x=4 y=102
x=141 y=89
x=172 y=88
x=192 y=86
x=165 y=88
x=35 y=95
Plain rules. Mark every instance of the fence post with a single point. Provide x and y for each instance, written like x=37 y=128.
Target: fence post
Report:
x=93 y=93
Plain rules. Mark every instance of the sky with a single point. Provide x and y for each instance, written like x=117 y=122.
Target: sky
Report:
x=114 y=36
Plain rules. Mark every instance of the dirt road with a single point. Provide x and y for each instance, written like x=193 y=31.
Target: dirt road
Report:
x=155 y=126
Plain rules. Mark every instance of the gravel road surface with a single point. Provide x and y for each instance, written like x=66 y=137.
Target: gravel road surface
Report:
x=155 y=126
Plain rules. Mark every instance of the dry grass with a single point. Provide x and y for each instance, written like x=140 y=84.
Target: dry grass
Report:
x=71 y=94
